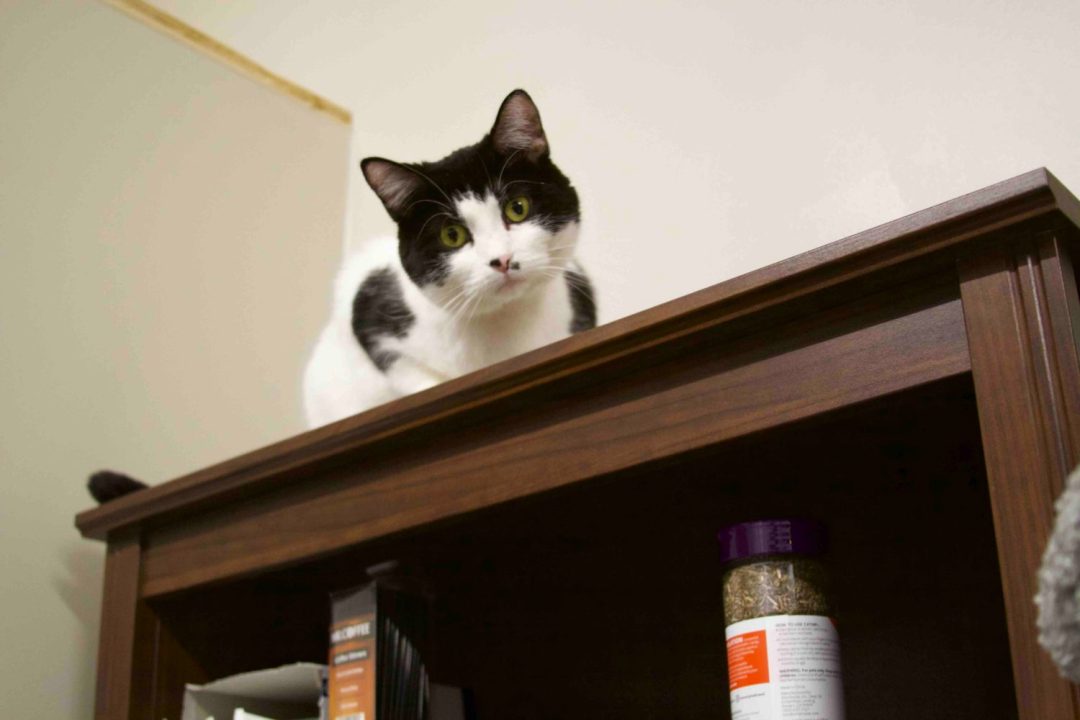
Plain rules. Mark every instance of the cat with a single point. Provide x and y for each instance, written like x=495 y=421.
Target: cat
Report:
x=482 y=268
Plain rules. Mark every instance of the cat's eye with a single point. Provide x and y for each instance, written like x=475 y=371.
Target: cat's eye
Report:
x=517 y=209
x=453 y=235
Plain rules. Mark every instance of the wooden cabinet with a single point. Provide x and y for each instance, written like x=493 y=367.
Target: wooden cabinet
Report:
x=916 y=387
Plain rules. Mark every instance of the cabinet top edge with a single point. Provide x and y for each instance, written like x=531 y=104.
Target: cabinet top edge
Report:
x=951 y=223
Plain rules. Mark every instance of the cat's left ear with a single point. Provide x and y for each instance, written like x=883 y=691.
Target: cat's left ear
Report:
x=518 y=128
x=394 y=183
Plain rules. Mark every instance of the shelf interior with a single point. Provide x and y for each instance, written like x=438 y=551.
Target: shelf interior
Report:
x=603 y=600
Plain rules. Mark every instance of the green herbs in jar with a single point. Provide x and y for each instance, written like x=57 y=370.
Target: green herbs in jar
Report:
x=775 y=586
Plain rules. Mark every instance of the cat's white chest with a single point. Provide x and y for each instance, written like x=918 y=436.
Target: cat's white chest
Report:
x=460 y=346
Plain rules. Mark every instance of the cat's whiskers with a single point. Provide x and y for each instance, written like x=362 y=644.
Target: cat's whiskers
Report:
x=457 y=302
x=486 y=173
x=428 y=200
x=557 y=256
x=551 y=272
x=435 y=184
x=573 y=279
x=570 y=246
x=527 y=182
x=464 y=303
x=450 y=305
x=561 y=221
x=478 y=296
x=506 y=163
x=436 y=215
x=460 y=304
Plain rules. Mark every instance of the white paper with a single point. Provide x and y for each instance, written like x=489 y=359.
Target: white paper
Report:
x=241 y=714
x=290 y=692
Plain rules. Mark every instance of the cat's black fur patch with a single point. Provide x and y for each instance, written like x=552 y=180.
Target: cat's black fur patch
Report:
x=379 y=310
x=107 y=485
x=582 y=301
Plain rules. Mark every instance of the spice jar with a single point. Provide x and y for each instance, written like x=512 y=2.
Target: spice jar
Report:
x=783 y=649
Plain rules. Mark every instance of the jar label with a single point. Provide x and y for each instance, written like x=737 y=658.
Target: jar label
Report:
x=785 y=667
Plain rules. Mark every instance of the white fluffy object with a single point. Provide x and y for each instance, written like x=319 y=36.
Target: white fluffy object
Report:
x=1058 y=597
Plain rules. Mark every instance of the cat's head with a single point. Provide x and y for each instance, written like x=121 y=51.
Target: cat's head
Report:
x=488 y=224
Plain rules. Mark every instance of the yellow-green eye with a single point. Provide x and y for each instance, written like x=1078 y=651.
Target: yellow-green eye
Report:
x=453 y=235
x=517 y=209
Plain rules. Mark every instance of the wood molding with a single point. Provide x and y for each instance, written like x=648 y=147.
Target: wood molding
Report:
x=176 y=28
x=1059 y=305
x=124 y=629
x=1034 y=194
x=140 y=663
x=1021 y=324
x=849 y=355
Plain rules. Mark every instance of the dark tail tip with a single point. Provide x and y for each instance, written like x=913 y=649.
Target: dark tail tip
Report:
x=107 y=485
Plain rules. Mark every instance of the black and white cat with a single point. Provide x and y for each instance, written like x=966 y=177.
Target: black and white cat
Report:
x=482 y=269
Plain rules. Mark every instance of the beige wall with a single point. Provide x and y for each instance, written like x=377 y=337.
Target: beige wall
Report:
x=168 y=231
x=707 y=138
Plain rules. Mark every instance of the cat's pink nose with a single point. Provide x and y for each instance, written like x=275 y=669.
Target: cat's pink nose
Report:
x=505 y=264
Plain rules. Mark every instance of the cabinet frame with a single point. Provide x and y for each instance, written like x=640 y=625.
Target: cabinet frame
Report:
x=981 y=285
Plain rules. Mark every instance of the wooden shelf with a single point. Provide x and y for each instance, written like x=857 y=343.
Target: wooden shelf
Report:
x=916 y=386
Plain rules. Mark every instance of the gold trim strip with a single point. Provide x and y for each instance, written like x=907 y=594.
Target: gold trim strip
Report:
x=180 y=30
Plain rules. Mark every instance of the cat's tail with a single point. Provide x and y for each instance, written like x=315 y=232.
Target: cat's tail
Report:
x=106 y=485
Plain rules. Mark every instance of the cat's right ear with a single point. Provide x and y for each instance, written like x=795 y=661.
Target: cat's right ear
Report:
x=394 y=183
x=518 y=128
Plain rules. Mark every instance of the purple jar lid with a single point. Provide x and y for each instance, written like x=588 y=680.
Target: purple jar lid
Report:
x=771 y=537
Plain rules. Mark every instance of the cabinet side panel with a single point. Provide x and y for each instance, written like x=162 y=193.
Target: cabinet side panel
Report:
x=1057 y=276
x=1026 y=379
x=126 y=648
x=142 y=664
x=174 y=667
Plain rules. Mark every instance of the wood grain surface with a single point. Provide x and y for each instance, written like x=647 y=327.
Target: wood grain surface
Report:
x=918 y=235
x=625 y=570
x=730 y=389
x=1020 y=308
x=126 y=636
x=181 y=31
